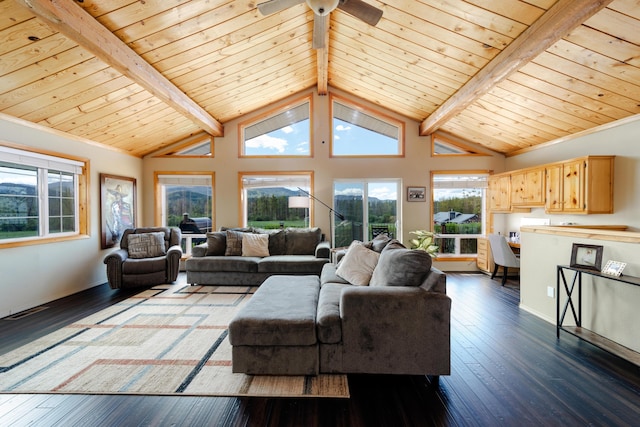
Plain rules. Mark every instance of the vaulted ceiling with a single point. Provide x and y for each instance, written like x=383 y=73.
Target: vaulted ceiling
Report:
x=139 y=76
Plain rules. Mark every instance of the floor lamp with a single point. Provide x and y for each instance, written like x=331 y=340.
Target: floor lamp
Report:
x=300 y=202
x=332 y=213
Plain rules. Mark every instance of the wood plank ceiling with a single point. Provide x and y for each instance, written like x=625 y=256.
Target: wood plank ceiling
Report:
x=505 y=74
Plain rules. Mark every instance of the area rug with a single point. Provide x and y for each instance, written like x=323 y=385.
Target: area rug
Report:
x=167 y=340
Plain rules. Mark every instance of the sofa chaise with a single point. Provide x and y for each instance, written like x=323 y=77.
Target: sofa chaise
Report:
x=247 y=256
x=396 y=323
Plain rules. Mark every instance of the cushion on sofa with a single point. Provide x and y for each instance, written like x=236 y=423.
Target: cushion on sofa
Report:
x=302 y=241
x=234 y=243
x=276 y=240
x=399 y=266
x=216 y=243
x=379 y=242
x=255 y=244
x=358 y=264
x=146 y=245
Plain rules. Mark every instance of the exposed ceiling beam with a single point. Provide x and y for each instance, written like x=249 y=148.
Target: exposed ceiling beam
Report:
x=66 y=17
x=558 y=21
x=322 y=56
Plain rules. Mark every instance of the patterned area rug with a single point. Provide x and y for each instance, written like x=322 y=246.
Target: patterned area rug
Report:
x=167 y=340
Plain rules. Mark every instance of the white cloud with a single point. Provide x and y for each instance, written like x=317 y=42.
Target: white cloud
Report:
x=267 y=142
x=342 y=128
x=303 y=147
x=287 y=129
x=383 y=193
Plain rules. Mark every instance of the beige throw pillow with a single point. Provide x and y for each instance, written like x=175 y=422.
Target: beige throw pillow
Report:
x=255 y=244
x=358 y=264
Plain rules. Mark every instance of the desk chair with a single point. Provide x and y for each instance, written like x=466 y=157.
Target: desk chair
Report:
x=503 y=256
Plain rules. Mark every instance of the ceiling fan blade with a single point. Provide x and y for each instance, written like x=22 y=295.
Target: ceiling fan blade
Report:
x=273 y=6
x=319 y=31
x=361 y=10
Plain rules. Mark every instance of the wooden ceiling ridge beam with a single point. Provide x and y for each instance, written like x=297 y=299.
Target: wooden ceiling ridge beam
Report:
x=557 y=22
x=66 y=17
x=323 y=60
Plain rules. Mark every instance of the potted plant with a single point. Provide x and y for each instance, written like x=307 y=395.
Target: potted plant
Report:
x=425 y=241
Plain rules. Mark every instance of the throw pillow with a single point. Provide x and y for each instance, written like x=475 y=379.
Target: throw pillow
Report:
x=255 y=244
x=302 y=241
x=234 y=243
x=146 y=245
x=399 y=266
x=358 y=264
x=276 y=240
x=216 y=243
x=379 y=242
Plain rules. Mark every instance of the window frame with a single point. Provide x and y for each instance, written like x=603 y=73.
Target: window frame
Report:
x=159 y=201
x=485 y=220
x=370 y=112
x=242 y=126
x=242 y=199
x=81 y=197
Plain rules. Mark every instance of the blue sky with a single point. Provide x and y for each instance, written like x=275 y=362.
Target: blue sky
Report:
x=293 y=140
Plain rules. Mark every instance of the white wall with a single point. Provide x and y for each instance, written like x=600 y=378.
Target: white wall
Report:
x=36 y=274
x=610 y=308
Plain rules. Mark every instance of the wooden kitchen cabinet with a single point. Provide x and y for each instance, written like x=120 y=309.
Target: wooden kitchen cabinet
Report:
x=499 y=187
x=581 y=186
x=528 y=187
x=485 y=258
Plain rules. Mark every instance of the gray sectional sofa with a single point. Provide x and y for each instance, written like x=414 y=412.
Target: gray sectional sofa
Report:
x=398 y=323
x=247 y=256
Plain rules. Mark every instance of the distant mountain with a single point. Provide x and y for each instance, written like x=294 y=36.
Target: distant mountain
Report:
x=278 y=192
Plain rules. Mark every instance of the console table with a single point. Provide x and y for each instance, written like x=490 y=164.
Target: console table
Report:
x=578 y=330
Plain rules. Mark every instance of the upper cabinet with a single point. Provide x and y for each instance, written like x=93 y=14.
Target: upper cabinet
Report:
x=528 y=187
x=583 y=185
x=580 y=186
x=500 y=193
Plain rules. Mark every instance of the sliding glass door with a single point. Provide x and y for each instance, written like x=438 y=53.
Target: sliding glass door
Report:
x=369 y=207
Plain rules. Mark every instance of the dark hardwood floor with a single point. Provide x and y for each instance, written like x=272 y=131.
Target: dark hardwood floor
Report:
x=508 y=368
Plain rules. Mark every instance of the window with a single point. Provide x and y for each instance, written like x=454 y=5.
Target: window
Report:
x=458 y=206
x=39 y=196
x=199 y=145
x=369 y=207
x=444 y=146
x=180 y=193
x=283 y=133
x=359 y=132
x=266 y=199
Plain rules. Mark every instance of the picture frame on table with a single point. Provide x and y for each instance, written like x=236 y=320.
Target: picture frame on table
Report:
x=117 y=208
x=614 y=268
x=416 y=194
x=586 y=256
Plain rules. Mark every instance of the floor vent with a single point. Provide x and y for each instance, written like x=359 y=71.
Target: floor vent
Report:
x=25 y=313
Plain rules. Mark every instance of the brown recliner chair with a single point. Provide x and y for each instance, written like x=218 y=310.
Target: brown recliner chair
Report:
x=125 y=270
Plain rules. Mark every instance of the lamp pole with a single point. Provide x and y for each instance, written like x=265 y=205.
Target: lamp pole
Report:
x=332 y=213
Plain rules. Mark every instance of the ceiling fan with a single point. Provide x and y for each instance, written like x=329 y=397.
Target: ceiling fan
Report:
x=321 y=9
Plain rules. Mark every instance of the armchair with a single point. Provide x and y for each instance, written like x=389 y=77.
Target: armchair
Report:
x=135 y=264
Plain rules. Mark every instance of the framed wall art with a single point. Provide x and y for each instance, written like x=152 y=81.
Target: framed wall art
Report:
x=416 y=194
x=117 y=207
x=586 y=256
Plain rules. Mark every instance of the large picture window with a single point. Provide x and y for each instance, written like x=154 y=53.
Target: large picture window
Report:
x=180 y=193
x=39 y=196
x=285 y=132
x=361 y=132
x=272 y=200
x=459 y=207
